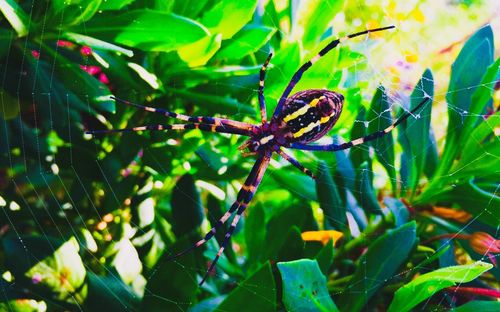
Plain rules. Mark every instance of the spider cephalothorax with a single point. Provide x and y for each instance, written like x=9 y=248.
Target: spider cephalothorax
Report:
x=297 y=121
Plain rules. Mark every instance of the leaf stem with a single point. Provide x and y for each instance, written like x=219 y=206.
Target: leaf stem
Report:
x=475 y=291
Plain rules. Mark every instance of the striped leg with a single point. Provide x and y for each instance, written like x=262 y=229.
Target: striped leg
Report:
x=243 y=198
x=296 y=163
x=262 y=101
x=370 y=137
x=201 y=126
x=195 y=119
x=298 y=74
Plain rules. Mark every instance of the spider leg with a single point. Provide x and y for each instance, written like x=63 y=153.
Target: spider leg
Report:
x=201 y=126
x=369 y=137
x=262 y=101
x=243 y=198
x=298 y=74
x=296 y=163
x=195 y=119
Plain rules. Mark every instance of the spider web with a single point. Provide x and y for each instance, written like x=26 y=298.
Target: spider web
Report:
x=395 y=70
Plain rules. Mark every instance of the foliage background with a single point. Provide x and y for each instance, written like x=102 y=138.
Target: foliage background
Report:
x=87 y=222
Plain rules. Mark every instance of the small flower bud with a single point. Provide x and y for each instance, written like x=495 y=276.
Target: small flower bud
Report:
x=484 y=243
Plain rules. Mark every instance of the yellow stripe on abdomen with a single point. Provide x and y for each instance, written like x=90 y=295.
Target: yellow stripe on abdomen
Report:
x=306 y=129
x=311 y=126
x=303 y=110
x=297 y=113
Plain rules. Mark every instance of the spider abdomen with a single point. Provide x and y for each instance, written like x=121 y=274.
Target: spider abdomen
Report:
x=310 y=114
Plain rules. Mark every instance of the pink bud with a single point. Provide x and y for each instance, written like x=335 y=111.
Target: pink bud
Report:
x=35 y=53
x=484 y=243
x=85 y=50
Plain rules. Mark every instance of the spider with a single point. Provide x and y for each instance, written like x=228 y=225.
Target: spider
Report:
x=297 y=121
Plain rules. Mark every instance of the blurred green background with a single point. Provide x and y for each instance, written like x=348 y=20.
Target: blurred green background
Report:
x=87 y=222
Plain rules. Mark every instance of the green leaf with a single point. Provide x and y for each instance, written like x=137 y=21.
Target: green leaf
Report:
x=96 y=43
x=478 y=305
x=73 y=12
x=398 y=210
x=147 y=30
x=284 y=64
x=215 y=211
x=171 y=285
x=481 y=96
x=359 y=154
x=293 y=246
x=304 y=286
x=325 y=257
x=334 y=211
x=297 y=183
x=364 y=193
x=246 y=41
x=482 y=133
x=9 y=105
x=482 y=203
x=480 y=152
x=379 y=118
x=428 y=284
x=227 y=17
x=313 y=19
x=23 y=305
x=214 y=103
x=84 y=85
x=48 y=266
x=255 y=233
x=278 y=226
x=190 y=8
x=432 y=158
x=198 y=53
x=378 y=266
x=258 y=290
x=416 y=130
x=127 y=262
x=187 y=211
x=114 y=4
x=468 y=70
x=466 y=74
x=344 y=169
x=16 y=16
x=109 y=293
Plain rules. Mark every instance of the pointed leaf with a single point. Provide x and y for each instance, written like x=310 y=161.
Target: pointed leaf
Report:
x=16 y=16
x=478 y=305
x=468 y=70
x=304 y=286
x=334 y=211
x=313 y=19
x=378 y=265
x=325 y=257
x=379 y=118
x=466 y=74
x=172 y=286
x=359 y=154
x=198 y=53
x=365 y=193
x=416 y=128
x=187 y=211
x=147 y=30
x=246 y=41
x=428 y=284
x=51 y=267
x=96 y=43
x=227 y=17
x=258 y=291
